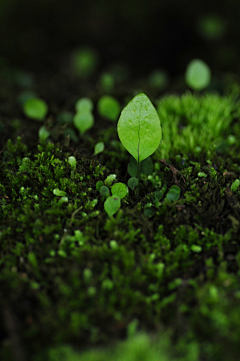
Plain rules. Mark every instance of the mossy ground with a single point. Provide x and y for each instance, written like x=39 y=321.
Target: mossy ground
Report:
x=74 y=279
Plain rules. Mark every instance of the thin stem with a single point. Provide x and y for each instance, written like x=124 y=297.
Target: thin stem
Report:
x=137 y=168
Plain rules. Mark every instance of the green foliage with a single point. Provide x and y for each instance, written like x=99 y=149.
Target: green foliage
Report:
x=84 y=105
x=99 y=147
x=145 y=167
x=108 y=107
x=132 y=182
x=139 y=128
x=83 y=121
x=43 y=133
x=112 y=205
x=189 y=122
x=104 y=191
x=173 y=194
x=73 y=162
x=198 y=75
x=235 y=185
x=35 y=108
x=120 y=190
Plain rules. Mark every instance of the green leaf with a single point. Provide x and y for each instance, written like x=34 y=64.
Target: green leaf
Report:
x=173 y=193
x=43 y=133
x=198 y=74
x=83 y=121
x=99 y=147
x=235 y=185
x=104 y=191
x=35 y=108
x=132 y=182
x=139 y=128
x=110 y=178
x=112 y=205
x=84 y=105
x=108 y=107
x=120 y=190
x=99 y=184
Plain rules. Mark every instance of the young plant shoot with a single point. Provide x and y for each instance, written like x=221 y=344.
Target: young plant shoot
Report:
x=139 y=128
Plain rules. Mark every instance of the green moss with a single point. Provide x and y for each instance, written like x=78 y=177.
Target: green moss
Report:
x=159 y=270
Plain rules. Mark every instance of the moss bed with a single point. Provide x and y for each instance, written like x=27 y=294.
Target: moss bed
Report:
x=157 y=281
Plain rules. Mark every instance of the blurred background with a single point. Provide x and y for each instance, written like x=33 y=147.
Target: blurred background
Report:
x=39 y=34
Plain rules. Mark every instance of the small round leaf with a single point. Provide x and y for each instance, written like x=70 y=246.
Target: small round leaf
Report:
x=112 y=205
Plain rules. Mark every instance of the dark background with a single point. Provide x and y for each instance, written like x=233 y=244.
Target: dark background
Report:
x=38 y=34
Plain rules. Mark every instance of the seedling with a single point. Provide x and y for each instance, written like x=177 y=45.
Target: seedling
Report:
x=198 y=75
x=108 y=107
x=99 y=147
x=35 y=108
x=83 y=121
x=84 y=105
x=43 y=133
x=139 y=128
x=112 y=205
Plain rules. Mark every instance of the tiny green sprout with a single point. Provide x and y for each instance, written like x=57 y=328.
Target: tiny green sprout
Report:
x=108 y=107
x=99 y=147
x=112 y=205
x=72 y=161
x=84 y=105
x=35 y=108
x=43 y=133
x=132 y=182
x=59 y=193
x=84 y=62
x=196 y=248
x=120 y=190
x=198 y=75
x=139 y=128
x=83 y=121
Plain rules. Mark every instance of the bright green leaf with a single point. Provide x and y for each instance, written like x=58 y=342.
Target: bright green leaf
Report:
x=35 y=108
x=198 y=74
x=83 y=121
x=120 y=190
x=108 y=107
x=112 y=205
x=99 y=147
x=84 y=105
x=110 y=178
x=139 y=128
x=235 y=185
x=59 y=193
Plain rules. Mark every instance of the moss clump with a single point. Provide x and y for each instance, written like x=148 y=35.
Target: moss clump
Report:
x=166 y=264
